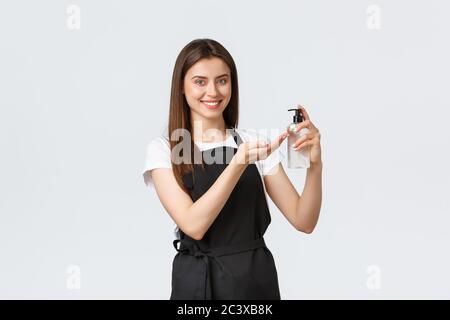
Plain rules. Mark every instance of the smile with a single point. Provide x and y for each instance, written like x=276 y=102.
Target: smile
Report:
x=211 y=104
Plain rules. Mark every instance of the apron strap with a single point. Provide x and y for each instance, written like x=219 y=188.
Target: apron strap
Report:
x=236 y=136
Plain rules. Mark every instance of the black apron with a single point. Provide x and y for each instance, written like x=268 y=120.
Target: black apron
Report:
x=231 y=261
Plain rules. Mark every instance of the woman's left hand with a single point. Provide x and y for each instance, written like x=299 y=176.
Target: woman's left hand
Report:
x=312 y=138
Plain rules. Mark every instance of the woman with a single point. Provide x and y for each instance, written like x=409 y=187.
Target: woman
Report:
x=213 y=185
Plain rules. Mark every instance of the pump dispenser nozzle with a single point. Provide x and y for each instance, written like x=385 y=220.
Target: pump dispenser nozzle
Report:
x=297 y=117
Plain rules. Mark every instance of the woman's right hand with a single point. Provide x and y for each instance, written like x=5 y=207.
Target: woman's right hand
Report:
x=250 y=152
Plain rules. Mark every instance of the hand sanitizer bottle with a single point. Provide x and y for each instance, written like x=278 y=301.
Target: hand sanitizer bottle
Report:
x=300 y=158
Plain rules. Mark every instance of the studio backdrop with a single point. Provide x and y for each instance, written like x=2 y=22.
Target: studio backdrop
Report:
x=85 y=85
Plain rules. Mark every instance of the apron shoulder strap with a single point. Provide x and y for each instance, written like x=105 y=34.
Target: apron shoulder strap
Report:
x=236 y=136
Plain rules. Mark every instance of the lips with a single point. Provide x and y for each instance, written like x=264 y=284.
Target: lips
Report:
x=211 y=104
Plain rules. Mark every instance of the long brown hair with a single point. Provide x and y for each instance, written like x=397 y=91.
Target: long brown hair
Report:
x=179 y=113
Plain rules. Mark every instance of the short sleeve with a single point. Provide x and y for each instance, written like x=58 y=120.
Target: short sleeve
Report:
x=157 y=156
x=271 y=162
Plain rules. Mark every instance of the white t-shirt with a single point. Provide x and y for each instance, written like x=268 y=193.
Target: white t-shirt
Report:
x=158 y=155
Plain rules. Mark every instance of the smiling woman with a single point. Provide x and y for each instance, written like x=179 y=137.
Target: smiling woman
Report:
x=219 y=207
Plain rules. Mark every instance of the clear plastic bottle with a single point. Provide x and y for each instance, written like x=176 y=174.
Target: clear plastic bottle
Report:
x=300 y=158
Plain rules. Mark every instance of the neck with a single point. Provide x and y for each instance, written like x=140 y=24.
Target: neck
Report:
x=209 y=130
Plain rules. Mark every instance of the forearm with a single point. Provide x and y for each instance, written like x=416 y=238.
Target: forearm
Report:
x=308 y=205
x=205 y=210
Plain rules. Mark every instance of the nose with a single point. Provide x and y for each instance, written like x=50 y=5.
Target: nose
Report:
x=211 y=89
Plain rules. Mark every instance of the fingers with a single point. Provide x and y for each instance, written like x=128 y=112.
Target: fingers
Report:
x=261 y=149
x=275 y=144
x=310 y=142
x=255 y=154
x=304 y=144
x=302 y=139
x=277 y=141
x=308 y=138
x=254 y=150
x=256 y=144
x=305 y=124
x=303 y=111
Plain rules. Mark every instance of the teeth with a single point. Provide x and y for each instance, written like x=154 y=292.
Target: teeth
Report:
x=211 y=103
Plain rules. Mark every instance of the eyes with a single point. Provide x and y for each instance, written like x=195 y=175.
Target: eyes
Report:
x=202 y=82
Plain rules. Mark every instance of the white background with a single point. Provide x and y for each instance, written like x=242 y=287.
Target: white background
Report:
x=78 y=107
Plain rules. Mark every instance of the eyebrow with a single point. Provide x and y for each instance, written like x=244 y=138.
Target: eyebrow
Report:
x=222 y=75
